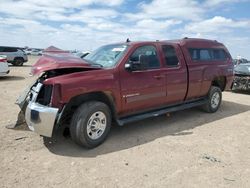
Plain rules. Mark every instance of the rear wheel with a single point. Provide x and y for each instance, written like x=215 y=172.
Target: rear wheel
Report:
x=18 y=62
x=214 y=100
x=90 y=124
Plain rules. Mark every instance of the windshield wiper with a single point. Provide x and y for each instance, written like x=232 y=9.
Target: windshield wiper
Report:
x=99 y=65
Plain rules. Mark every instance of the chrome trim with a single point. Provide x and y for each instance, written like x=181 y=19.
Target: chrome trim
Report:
x=96 y=125
x=39 y=118
x=45 y=120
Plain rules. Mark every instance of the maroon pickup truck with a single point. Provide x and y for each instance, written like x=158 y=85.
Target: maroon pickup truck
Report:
x=123 y=83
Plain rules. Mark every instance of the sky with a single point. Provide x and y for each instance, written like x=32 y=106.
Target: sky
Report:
x=88 y=24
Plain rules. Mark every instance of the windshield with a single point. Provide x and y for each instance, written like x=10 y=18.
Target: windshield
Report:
x=107 y=56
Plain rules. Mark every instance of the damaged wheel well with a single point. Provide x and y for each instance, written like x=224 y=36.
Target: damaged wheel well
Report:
x=76 y=101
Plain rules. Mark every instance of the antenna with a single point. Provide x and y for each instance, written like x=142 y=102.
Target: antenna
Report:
x=128 y=40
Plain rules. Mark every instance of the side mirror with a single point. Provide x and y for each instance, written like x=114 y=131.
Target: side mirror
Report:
x=133 y=65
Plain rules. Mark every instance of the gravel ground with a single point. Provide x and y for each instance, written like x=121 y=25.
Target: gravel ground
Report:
x=186 y=149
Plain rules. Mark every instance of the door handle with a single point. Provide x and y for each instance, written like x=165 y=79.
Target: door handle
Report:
x=158 y=77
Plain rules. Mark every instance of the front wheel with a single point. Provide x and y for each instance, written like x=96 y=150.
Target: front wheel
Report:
x=90 y=124
x=214 y=100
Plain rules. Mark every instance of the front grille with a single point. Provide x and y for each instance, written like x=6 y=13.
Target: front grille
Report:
x=241 y=82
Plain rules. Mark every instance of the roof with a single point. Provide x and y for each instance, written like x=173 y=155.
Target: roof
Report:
x=182 y=42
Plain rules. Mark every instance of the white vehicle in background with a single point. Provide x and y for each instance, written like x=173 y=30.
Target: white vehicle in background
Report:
x=36 y=52
x=4 y=68
x=28 y=51
x=15 y=55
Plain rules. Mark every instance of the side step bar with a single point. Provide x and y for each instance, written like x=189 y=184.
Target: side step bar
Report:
x=159 y=112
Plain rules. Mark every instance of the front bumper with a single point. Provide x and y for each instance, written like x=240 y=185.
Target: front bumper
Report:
x=41 y=119
x=241 y=83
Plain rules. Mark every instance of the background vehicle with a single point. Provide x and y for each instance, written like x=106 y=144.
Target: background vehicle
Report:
x=4 y=68
x=15 y=56
x=36 y=52
x=124 y=82
x=241 y=77
x=28 y=51
x=240 y=61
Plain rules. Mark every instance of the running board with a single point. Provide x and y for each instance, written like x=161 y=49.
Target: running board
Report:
x=159 y=112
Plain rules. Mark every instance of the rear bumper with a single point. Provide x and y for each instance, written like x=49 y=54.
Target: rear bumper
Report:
x=41 y=119
x=4 y=69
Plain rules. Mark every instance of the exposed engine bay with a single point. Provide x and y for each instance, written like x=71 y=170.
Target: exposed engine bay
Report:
x=44 y=95
x=241 y=77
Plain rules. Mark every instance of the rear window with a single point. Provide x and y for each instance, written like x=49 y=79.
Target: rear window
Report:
x=207 y=54
x=8 y=49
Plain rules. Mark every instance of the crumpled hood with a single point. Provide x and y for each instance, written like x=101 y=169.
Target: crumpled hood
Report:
x=59 y=61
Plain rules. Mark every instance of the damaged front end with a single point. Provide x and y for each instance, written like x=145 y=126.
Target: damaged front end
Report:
x=241 y=82
x=241 y=77
x=36 y=103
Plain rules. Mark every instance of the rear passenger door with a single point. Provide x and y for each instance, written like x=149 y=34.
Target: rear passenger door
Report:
x=176 y=73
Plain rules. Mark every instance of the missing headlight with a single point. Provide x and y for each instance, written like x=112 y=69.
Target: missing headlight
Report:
x=44 y=95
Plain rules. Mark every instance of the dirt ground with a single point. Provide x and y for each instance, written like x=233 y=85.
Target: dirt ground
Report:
x=188 y=149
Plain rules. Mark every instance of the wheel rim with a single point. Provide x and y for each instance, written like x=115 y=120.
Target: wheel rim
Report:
x=19 y=62
x=96 y=125
x=215 y=100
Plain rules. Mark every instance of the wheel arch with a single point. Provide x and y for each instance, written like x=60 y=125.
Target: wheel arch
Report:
x=219 y=81
x=18 y=57
x=105 y=97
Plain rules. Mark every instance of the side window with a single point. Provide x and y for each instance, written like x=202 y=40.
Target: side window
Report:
x=208 y=54
x=205 y=54
x=150 y=52
x=194 y=54
x=171 y=59
x=6 y=49
x=1 y=49
x=9 y=49
x=219 y=54
x=13 y=50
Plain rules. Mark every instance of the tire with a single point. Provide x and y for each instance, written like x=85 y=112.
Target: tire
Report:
x=214 y=100
x=87 y=119
x=18 y=62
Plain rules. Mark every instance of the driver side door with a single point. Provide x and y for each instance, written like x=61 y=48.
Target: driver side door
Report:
x=143 y=89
